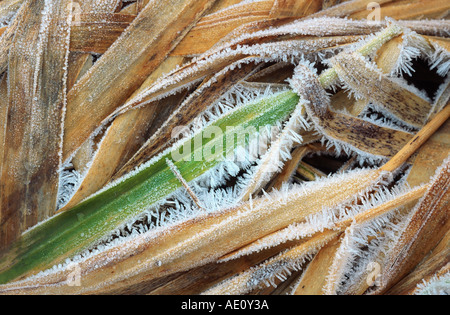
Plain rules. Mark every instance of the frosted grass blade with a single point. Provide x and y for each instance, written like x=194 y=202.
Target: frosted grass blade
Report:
x=74 y=230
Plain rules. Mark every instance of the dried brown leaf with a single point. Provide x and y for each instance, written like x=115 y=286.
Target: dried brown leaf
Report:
x=409 y=10
x=202 y=240
x=371 y=84
x=427 y=226
x=435 y=264
x=96 y=32
x=33 y=132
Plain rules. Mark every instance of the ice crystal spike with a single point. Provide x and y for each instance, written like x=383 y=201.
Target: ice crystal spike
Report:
x=438 y=285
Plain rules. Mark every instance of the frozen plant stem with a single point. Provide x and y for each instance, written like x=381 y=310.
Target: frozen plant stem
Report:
x=384 y=208
x=418 y=141
x=295 y=257
x=330 y=76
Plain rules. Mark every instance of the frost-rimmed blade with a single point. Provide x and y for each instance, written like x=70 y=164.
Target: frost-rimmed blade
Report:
x=432 y=154
x=180 y=247
x=36 y=104
x=314 y=276
x=205 y=239
x=424 y=278
x=279 y=267
x=96 y=32
x=278 y=30
x=312 y=237
x=215 y=60
x=262 y=44
x=339 y=218
x=409 y=10
x=366 y=81
x=75 y=230
x=134 y=56
x=368 y=139
x=426 y=226
x=213 y=27
x=262 y=48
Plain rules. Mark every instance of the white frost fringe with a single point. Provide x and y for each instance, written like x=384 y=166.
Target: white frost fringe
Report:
x=437 y=285
x=356 y=254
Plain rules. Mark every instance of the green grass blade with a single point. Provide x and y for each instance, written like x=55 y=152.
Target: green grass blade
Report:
x=73 y=231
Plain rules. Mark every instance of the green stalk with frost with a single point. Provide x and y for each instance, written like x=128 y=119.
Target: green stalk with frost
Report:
x=71 y=232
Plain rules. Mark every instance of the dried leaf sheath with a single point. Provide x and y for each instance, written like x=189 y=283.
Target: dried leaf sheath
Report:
x=367 y=82
x=36 y=104
x=352 y=133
